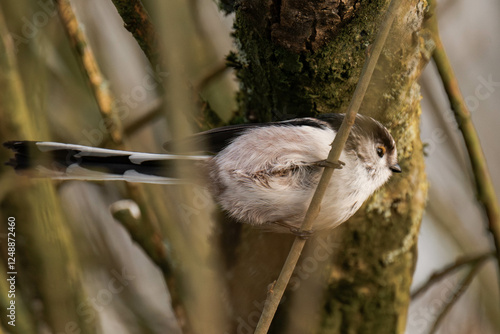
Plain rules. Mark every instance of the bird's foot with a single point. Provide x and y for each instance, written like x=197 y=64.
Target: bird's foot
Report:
x=297 y=231
x=302 y=234
x=328 y=164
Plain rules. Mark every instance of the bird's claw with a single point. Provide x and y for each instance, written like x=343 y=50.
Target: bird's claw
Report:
x=328 y=164
x=297 y=231
x=302 y=234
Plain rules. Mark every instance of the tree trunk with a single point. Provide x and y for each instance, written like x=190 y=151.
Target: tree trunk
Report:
x=302 y=58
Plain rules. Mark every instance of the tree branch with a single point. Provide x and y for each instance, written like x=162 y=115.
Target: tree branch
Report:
x=484 y=185
x=87 y=60
x=137 y=21
x=276 y=292
x=459 y=263
x=458 y=293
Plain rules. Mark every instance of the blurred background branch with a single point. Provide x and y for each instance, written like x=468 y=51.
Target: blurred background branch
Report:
x=450 y=269
x=484 y=184
x=148 y=235
x=44 y=246
x=462 y=287
x=136 y=20
x=100 y=86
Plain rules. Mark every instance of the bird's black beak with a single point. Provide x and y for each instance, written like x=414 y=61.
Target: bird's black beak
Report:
x=395 y=168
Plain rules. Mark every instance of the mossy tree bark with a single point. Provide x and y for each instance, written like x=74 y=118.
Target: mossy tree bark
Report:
x=300 y=59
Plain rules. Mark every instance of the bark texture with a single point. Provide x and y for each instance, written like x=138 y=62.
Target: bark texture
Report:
x=300 y=59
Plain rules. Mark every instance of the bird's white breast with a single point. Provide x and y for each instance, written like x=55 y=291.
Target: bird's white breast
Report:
x=250 y=192
x=283 y=198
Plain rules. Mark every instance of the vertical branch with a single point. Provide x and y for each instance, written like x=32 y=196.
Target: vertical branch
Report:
x=87 y=60
x=484 y=185
x=276 y=292
x=54 y=269
x=199 y=271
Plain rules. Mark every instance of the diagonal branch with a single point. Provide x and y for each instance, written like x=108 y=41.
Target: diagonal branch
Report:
x=458 y=264
x=149 y=239
x=276 y=292
x=462 y=287
x=100 y=87
x=484 y=185
x=137 y=21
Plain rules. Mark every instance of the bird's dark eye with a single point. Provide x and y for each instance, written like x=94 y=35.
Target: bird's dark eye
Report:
x=381 y=151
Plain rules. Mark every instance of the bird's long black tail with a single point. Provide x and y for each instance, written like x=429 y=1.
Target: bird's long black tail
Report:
x=76 y=162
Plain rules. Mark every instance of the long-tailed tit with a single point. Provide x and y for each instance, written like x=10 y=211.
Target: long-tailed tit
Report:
x=262 y=174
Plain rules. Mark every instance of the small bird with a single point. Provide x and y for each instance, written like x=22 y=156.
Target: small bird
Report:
x=261 y=174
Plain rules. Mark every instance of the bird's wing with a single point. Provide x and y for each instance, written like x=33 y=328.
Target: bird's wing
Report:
x=212 y=141
x=217 y=139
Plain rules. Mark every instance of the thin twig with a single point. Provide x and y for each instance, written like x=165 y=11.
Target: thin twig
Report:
x=276 y=292
x=458 y=264
x=143 y=120
x=462 y=287
x=484 y=185
x=87 y=60
x=138 y=23
x=151 y=115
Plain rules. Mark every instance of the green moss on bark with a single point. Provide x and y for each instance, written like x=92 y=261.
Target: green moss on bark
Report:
x=277 y=83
